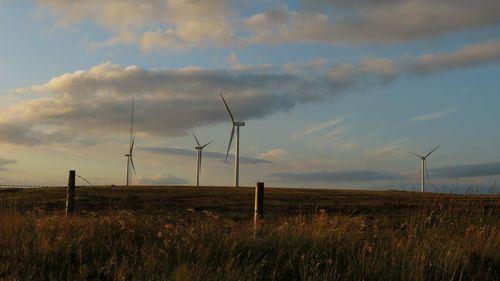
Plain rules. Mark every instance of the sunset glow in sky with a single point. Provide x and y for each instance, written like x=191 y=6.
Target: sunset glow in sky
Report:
x=334 y=93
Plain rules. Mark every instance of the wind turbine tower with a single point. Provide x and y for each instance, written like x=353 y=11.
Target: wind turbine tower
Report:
x=424 y=166
x=129 y=155
x=236 y=125
x=199 y=150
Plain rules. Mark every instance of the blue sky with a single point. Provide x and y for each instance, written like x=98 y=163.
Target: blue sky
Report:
x=334 y=93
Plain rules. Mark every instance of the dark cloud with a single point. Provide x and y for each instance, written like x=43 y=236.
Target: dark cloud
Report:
x=27 y=134
x=161 y=180
x=206 y=154
x=341 y=176
x=466 y=171
x=19 y=134
x=4 y=162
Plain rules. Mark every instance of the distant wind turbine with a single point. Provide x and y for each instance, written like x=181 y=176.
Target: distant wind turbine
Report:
x=129 y=155
x=199 y=149
x=237 y=125
x=424 y=166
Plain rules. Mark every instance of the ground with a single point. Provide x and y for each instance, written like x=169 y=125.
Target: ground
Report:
x=206 y=233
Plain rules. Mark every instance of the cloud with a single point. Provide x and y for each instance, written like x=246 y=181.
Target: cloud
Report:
x=312 y=164
x=274 y=154
x=469 y=56
x=151 y=25
x=161 y=180
x=312 y=66
x=168 y=102
x=4 y=162
x=181 y=24
x=206 y=154
x=232 y=60
x=316 y=128
x=341 y=176
x=331 y=136
x=380 y=66
x=323 y=135
x=92 y=103
x=27 y=134
x=386 y=149
x=434 y=115
x=366 y=22
x=466 y=171
x=383 y=69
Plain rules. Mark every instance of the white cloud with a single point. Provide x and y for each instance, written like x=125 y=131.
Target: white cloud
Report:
x=434 y=115
x=181 y=24
x=383 y=69
x=386 y=149
x=363 y=22
x=468 y=56
x=90 y=104
x=332 y=136
x=316 y=128
x=97 y=100
x=161 y=180
x=381 y=66
x=274 y=155
x=151 y=24
x=232 y=60
x=312 y=66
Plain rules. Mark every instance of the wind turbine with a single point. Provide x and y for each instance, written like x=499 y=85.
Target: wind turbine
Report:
x=130 y=161
x=424 y=166
x=237 y=125
x=199 y=149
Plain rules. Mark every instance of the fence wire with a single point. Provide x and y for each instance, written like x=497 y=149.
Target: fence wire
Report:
x=40 y=186
x=29 y=186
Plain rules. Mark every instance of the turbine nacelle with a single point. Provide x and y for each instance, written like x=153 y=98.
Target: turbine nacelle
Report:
x=239 y=123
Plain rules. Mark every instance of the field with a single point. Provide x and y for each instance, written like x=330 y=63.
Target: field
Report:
x=186 y=233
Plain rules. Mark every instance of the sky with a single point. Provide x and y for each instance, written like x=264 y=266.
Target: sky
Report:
x=334 y=93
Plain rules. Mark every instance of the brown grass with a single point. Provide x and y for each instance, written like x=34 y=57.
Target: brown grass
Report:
x=205 y=234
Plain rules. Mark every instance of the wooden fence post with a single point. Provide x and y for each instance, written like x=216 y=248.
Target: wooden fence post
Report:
x=70 y=195
x=258 y=207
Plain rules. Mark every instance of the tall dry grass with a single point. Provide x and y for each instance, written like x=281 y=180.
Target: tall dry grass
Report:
x=440 y=243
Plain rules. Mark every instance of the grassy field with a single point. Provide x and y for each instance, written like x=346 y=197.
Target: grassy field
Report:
x=186 y=233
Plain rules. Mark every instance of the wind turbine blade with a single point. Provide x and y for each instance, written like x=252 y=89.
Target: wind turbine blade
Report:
x=132 y=121
x=132 y=146
x=419 y=156
x=196 y=139
x=433 y=150
x=227 y=107
x=229 y=146
x=132 y=162
x=207 y=144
